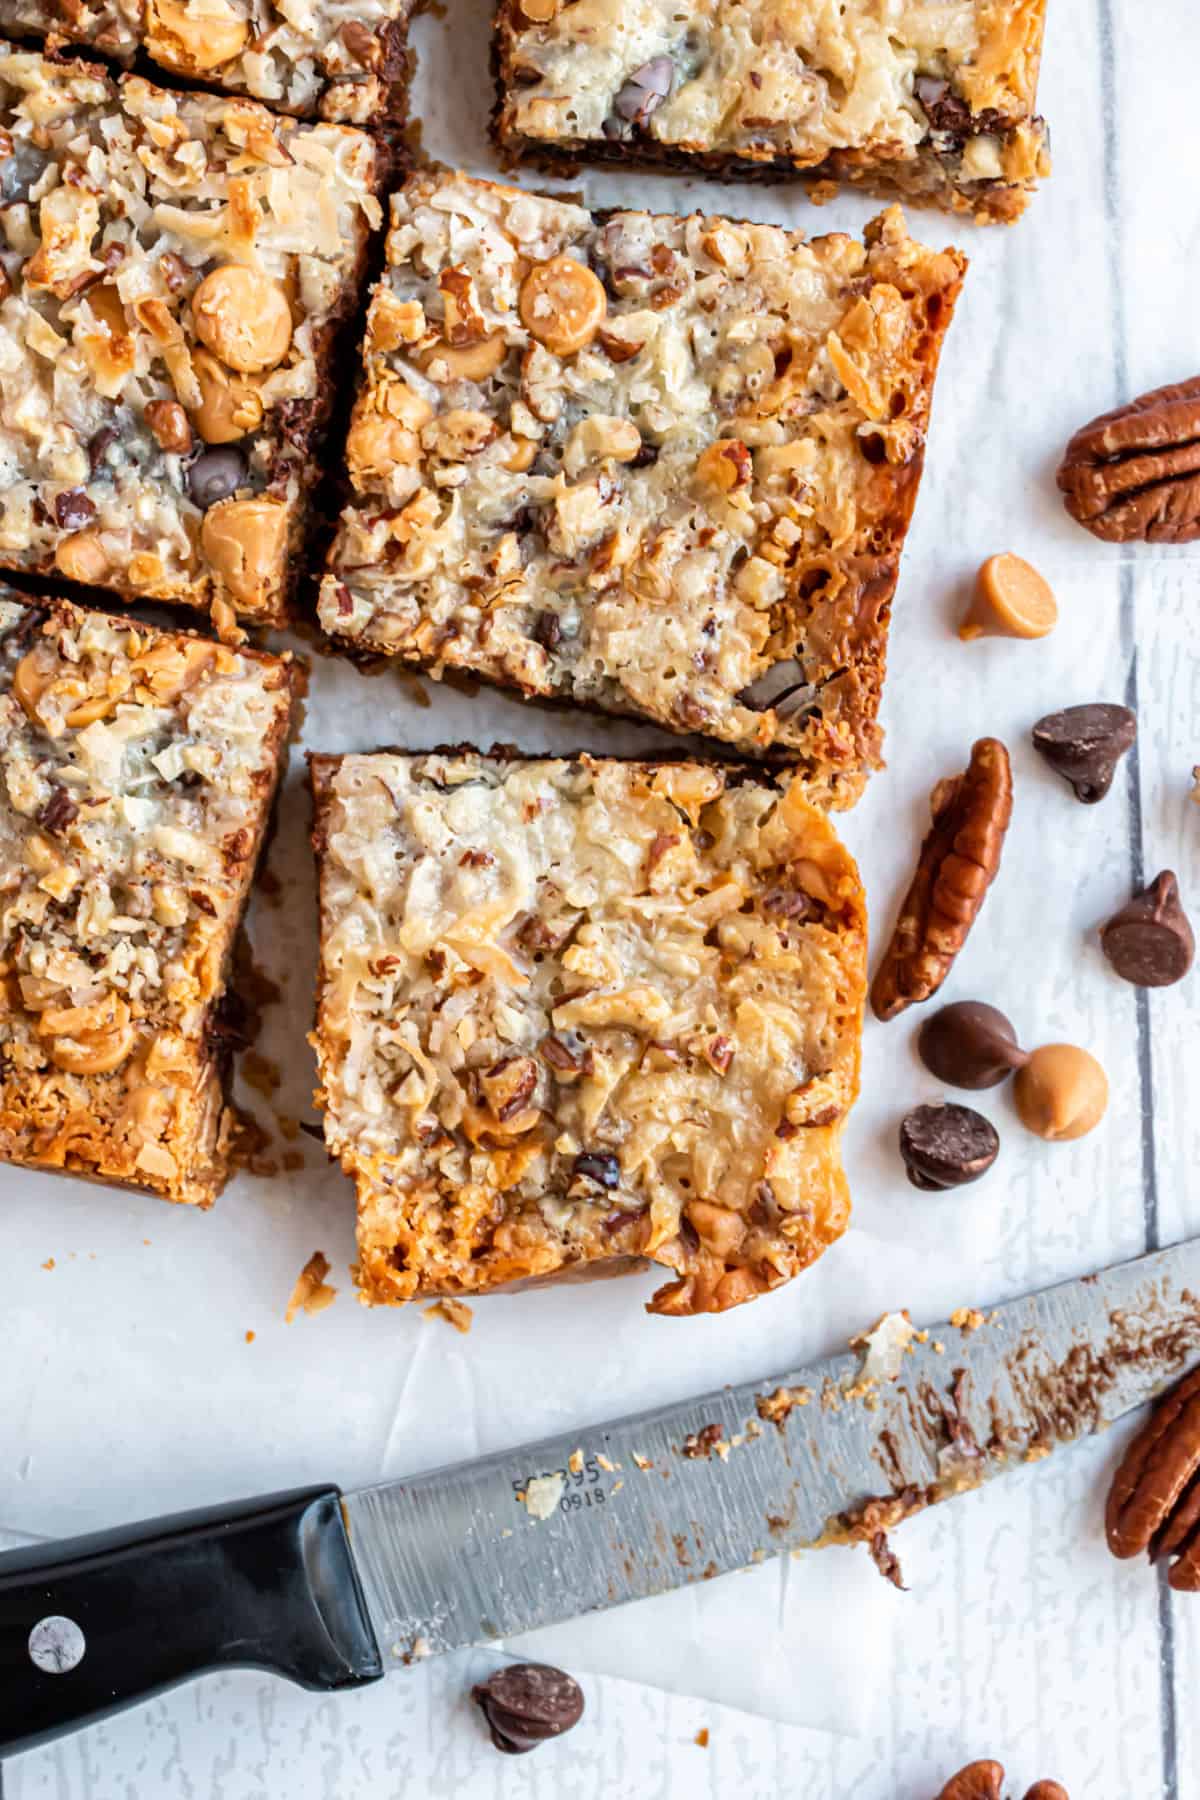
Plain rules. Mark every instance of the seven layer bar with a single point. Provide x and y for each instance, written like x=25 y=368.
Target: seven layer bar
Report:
x=173 y=268
x=577 y=1014
x=935 y=101
x=137 y=770
x=662 y=466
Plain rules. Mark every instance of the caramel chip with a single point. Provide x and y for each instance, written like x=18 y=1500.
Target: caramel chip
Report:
x=1011 y=600
x=563 y=305
x=1061 y=1093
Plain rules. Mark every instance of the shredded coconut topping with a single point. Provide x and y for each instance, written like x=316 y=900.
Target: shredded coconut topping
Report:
x=341 y=57
x=171 y=267
x=936 y=99
x=136 y=774
x=657 y=465
x=584 y=1012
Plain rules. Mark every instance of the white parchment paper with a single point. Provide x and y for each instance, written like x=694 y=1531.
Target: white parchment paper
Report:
x=127 y=1384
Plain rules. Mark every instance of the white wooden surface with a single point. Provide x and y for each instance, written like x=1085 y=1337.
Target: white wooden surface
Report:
x=1020 y=1638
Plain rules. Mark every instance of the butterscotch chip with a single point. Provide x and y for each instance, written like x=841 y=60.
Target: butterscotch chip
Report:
x=230 y=405
x=244 y=542
x=244 y=318
x=82 y=557
x=1011 y=600
x=199 y=39
x=1061 y=1093
x=563 y=305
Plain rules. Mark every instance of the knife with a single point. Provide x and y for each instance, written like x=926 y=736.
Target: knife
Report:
x=332 y=1591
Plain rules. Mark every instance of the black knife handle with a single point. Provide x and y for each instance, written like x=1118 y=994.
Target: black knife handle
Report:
x=267 y=1584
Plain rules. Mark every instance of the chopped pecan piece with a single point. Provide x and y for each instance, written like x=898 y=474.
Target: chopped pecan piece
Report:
x=1135 y=472
x=958 y=862
x=508 y=1086
x=1154 y=1501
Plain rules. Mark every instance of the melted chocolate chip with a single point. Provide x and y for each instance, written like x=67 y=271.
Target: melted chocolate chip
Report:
x=645 y=90
x=1084 y=744
x=526 y=1704
x=547 y=630
x=73 y=510
x=215 y=475
x=969 y=1045
x=1149 y=942
x=600 y=1166
x=946 y=1146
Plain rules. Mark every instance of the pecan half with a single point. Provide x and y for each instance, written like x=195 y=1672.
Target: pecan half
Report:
x=958 y=862
x=985 y=1781
x=1135 y=472
x=1154 y=1501
x=978 y=1781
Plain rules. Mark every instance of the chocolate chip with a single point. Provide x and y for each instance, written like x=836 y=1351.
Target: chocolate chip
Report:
x=944 y=109
x=73 y=510
x=600 y=1166
x=969 y=1045
x=645 y=90
x=782 y=689
x=215 y=475
x=99 y=444
x=547 y=630
x=1149 y=942
x=1084 y=744
x=946 y=1146
x=527 y=1703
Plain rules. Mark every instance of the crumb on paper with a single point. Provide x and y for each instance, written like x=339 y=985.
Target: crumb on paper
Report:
x=885 y=1345
x=575 y=1462
x=939 y=1349
x=49 y=1263
x=617 y=1486
x=886 y=1560
x=701 y=1738
x=312 y=1293
x=967 y=1318
x=610 y=1468
x=454 y=1312
x=250 y=1336
x=543 y=1494
x=642 y=1462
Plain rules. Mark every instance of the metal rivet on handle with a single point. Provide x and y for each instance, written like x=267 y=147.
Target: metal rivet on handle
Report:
x=56 y=1645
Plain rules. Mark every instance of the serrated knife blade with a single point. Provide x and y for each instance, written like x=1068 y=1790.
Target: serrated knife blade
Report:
x=332 y=1591
x=461 y=1555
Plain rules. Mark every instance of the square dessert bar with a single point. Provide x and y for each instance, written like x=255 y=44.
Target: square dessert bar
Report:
x=173 y=268
x=576 y=1015
x=662 y=466
x=137 y=770
x=344 y=59
x=937 y=102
